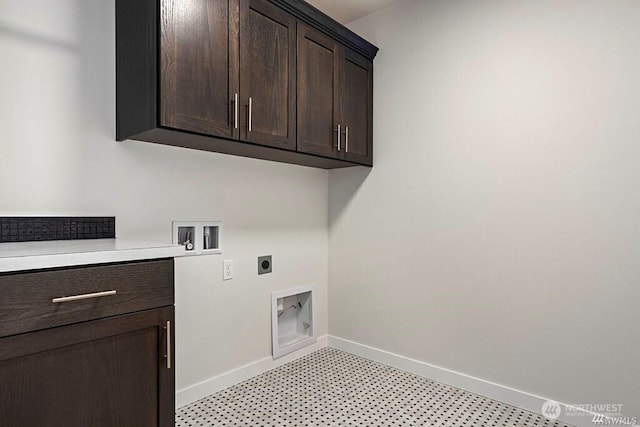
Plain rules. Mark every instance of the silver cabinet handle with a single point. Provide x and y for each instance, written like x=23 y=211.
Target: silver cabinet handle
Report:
x=346 y=139
x=338 y=130
x=235 y=110
x=250 y=107
x=83 y=296
x=168 y=356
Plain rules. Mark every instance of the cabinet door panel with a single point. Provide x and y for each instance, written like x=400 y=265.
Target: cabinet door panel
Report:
x=356 y=75
x=318 y=61
x=267 y=74
x=198 y=77
x=103 y=373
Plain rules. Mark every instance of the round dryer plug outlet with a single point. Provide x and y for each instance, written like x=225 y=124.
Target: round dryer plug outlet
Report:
x=264 y=264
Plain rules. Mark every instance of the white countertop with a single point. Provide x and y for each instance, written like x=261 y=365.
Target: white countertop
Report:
x=64 y=253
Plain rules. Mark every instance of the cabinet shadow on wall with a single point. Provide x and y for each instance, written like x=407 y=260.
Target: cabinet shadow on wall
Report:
x=34 y=38
x=344 y=184
x=96 y=30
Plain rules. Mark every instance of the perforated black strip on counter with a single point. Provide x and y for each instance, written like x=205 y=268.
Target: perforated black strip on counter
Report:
x=30 y=229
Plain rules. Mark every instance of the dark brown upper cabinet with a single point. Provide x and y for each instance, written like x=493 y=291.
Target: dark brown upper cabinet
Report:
x=335 y=99
x=356 y=107
x=268 y=74
x=318 y=100
x=236 y=77
x=198 y=66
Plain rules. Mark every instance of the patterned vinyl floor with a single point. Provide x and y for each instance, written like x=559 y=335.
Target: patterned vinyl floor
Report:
x=333 y=388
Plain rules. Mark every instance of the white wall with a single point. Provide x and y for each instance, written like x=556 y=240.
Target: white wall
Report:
x=58 y=155
x=498 y=234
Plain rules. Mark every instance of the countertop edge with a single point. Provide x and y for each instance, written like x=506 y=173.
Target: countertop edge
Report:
x=39 y=262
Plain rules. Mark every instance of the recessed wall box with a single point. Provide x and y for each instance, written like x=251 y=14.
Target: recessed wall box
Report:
x=210 y=232
x=292 y=320
x=198 y=237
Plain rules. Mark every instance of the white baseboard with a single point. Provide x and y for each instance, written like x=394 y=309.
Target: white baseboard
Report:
x=501 y=393
x=227 y=379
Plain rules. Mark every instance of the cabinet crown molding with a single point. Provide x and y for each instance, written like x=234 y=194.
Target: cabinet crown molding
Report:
x=311 y=16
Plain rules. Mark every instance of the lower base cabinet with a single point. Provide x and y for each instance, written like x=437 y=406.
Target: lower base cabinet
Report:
x=109 y=372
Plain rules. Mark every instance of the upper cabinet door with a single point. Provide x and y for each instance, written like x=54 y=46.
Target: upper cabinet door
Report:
x=199 y=66
x=267 y=75
x=318 y=107
x=356 y=75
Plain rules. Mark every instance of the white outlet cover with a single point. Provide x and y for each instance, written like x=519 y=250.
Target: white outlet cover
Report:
x=227 y=269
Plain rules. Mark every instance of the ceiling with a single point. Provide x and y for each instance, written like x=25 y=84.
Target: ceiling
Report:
x=345 y=11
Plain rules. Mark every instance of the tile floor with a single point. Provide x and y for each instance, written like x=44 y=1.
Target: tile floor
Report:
x=333 y=388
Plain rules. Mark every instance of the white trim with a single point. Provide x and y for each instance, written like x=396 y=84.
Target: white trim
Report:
x=203 y=389
x=501 y=393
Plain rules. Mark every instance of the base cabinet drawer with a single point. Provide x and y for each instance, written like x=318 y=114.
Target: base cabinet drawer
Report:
x=44 y=299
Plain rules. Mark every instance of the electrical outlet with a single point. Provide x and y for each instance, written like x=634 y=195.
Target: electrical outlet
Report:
x=227 y=269
x=264 y=264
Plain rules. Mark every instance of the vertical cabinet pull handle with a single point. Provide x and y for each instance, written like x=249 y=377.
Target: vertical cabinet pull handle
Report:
x=168 y=355
x=250 y=108
x=346 y=139
x=339 y=132
x=235 y=110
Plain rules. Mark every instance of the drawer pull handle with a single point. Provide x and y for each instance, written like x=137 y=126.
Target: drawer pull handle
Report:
x=83 y=296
